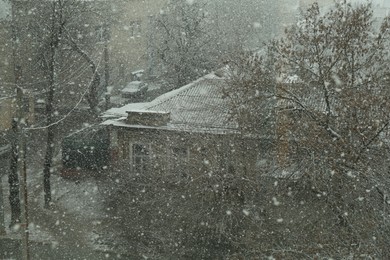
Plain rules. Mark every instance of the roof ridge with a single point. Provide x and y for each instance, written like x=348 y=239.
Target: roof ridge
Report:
x=173 y=93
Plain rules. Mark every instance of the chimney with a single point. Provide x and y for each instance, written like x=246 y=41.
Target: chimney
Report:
x=148 y=118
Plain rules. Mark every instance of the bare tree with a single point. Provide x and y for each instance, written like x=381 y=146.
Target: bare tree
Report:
x=60 y=33
x=197 y=210
x=332 y=117
x=250 y=92
x=190 y=38
x=182 y=43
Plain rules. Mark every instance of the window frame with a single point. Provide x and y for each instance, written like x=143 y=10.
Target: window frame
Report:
x=135 y=28
x=99 y=33
x=178 y=163
x=140 y=163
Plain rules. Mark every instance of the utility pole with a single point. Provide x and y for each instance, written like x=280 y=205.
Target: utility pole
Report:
x=19 y=151
x=23 y=191
x=4 y=153
x=106 y=38
x=13 y=178
x=2 y=224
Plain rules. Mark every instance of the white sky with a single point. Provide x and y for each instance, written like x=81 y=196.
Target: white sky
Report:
x=4 y=9
x=376 y=3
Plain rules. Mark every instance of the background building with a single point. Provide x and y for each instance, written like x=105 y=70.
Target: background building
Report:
x=288 y=11
x=128 y=41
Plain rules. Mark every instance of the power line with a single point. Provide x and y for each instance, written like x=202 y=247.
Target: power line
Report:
x=46 y=80
x=73 y=109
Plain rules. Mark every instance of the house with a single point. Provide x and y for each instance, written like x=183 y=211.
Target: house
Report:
x=187 y=130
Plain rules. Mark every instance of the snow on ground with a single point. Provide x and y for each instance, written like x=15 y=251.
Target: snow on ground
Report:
x=100 y=242
x=78 y=197
x=81 y=198
x=84 y=199
x=36 y=233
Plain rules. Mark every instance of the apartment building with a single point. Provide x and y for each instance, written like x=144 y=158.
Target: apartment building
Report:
x=128 y=44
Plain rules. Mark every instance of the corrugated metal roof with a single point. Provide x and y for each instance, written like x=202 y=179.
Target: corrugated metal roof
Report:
x=198 y=105
x=297 y=95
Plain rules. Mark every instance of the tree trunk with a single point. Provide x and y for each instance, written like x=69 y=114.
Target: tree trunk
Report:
x=57 y=30
x=47 y=167
x=2 y=222
x=106 y=57
x=13 y=178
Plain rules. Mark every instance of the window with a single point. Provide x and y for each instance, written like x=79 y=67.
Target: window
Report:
x=121 y=71
x=140 y=158
x=135 y=29
x=179 y=162
x=224 y=163
x=99 y=33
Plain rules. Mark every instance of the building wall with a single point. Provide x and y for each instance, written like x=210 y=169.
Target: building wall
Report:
x=219 y=154
x=6 y=69
x=7 y=112
x=322 y=3
x=288 y=11
x=7 y=87
x=129 y=38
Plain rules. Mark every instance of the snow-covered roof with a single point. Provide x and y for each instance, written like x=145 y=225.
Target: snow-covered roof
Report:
x=198 y=106
x=118 y=112
x=132 y=87
x=137 y=72
x=299 y=96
